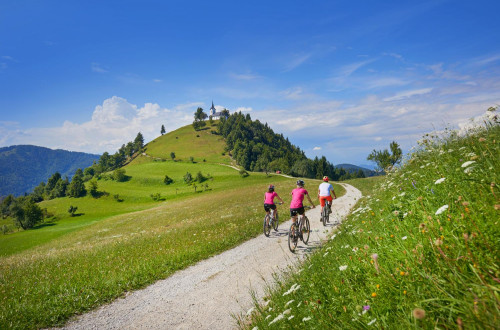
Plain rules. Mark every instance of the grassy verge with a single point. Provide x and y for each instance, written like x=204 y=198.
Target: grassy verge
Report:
x=422 y=251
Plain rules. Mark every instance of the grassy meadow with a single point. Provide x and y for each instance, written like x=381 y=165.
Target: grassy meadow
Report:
x=421 y=251
x=70 y=265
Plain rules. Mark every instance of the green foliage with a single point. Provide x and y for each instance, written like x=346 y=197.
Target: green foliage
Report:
x=26 y=213
x=93 y=186
x=191 y=159
x=72 y=209
x=243 y=173
x=77 y=187
x=162 y=131
x=384 y=159
x=120 y=175
x=424 y=242
x=188 y=177
x=199 y=177
x=172 y=155
x=167 y=180
x=157 y=197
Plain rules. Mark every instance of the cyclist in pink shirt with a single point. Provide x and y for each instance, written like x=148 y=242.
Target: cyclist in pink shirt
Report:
x=269 y=200
x=298 y=194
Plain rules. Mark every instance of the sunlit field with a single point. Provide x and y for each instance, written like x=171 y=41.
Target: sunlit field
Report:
x=422 y=250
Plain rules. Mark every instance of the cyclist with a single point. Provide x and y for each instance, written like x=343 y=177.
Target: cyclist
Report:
x=269 y=200
x=325 y=192
x=296 y=206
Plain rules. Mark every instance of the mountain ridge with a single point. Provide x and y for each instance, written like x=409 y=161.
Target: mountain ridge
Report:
x=23 y=167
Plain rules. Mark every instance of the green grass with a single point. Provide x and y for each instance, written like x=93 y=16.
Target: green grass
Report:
x=73 y=264
x=186 y=142
x=422 y=251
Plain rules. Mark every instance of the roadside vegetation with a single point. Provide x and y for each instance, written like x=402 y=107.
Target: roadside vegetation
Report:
x=421 y=250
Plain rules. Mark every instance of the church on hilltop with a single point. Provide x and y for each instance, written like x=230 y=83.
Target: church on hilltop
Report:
x=218 y=115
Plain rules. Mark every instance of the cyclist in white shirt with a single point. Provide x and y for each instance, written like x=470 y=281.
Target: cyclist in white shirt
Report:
x=325 y=192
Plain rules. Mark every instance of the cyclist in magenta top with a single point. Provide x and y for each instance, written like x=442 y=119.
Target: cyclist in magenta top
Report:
x=269 y=200
x=298 y=194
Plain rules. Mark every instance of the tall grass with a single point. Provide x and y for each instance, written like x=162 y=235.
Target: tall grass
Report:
x=422 y=251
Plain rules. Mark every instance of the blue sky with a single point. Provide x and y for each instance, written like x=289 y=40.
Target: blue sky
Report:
x=339 y=78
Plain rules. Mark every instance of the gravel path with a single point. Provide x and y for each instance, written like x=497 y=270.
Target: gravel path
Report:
x=208 y=294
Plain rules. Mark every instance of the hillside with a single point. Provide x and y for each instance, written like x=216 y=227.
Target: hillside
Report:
x=185 y=142
x=23 y=167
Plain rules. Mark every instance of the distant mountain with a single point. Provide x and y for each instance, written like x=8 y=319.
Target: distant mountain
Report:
x=353 y=168
x=23 y=167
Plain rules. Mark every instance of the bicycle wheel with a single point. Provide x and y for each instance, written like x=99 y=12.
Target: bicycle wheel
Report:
x=275 y=222
x=323 y=215
x=306 y=229
x=292 y=238
x=267 y=225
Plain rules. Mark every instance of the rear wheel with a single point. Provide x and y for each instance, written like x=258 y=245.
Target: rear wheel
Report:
x=324 y=213
x=267 y=225
x=306 y=229
x=292 y=237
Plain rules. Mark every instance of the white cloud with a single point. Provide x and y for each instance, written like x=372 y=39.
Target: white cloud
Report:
x=113 y=123
x=408 y=94
x=243 y=109
x=317 y=148
x=296 y=61
x=244 y=76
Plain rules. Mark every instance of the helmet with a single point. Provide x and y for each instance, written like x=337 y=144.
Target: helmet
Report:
x=325 y=178
x=300 y=183
x=271 y=187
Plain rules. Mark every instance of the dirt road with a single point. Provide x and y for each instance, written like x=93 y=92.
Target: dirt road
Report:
x=206 y=295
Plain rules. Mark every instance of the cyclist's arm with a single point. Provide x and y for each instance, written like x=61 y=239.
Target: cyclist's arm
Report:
x=310 y=201
x=278 y=196
x=333 y=192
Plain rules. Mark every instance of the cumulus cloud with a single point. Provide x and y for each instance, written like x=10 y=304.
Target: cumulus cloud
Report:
x=317 y=148
x=112 y=124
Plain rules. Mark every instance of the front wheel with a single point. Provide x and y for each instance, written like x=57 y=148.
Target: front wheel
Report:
x=275 y=222
x=267 y=225
x=292 y=238
x=306 y=229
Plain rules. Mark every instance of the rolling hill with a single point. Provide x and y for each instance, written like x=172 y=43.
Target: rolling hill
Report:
x=23 y=167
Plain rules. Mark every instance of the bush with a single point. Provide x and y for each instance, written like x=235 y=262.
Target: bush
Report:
x=117 y=198
x=72 y=209
x=188 y=177
x=119 y=175
x=199 y=177
x=167 y=180
x=156 y=197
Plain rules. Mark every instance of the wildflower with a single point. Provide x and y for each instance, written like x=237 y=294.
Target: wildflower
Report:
x=421 y=226
x=276 y=319
x=482 y=139
x=288 y=311
x=418 y=313
x=404 y=292
x=371 y=322
x=378 y=286
x=291 y=317
x=438 y=242
x=468 y=163
x=305 y=319
x=294 y=288
x=402 y=273
x=442 y=209
x=324 y=255
x=374 y=294
x=440 y=181
x=404 y=237
x=468 y=169
x=366 y=247
x=288 y=303
x=342 y=268
x=366 y=308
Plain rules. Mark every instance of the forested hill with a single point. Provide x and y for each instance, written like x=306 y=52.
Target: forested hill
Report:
x=23 y=167
x=256 y=147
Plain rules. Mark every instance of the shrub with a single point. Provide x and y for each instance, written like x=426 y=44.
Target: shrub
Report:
x=188 y=177
x=156 y=197
x=199 y=177
x=167 y=180
x=119 y=175
x=72 y=209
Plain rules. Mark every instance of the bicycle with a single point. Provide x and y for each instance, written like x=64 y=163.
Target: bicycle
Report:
x=325 y=213
x=299 y=230
x=271 y=221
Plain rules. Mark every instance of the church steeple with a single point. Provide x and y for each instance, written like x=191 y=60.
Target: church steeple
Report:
x=212 y=109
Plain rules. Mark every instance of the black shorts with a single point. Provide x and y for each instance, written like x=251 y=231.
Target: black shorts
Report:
x=300 y=210
x=267 y=207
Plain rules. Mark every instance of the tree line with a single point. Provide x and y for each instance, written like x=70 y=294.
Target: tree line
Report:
x=256 y=147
